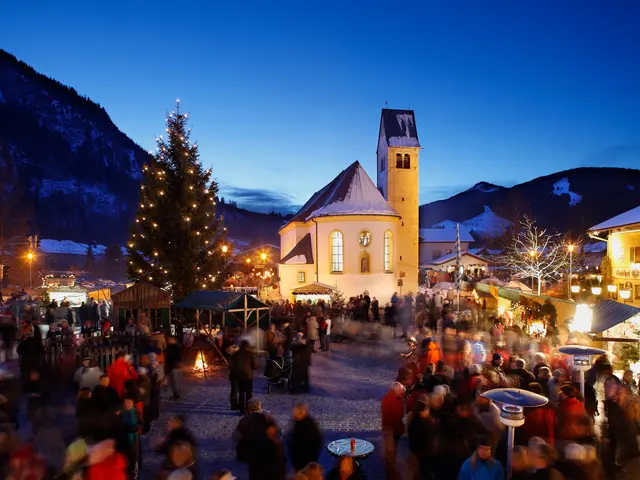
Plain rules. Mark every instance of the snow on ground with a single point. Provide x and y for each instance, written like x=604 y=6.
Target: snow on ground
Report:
x=562 y=187
x=484 y=187
x=487 y=223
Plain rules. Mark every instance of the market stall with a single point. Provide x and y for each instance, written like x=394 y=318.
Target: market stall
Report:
x=142 y=298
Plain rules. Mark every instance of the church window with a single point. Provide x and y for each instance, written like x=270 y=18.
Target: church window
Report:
x=364 y=239
x=301 y=277
x=407 y=161
x=337 y=253
x=398 y=160
x=388 y=252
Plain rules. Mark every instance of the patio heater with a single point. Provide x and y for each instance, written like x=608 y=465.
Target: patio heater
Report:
x=512 y=402
x=581 y=359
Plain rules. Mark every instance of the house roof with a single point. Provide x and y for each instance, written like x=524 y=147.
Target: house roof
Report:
x=218 y=300
x=301 y=254
x=452 y=256
x=444 y=235
x=609 y=313
x=352 y=192
x=630 y=217
x=399 y=127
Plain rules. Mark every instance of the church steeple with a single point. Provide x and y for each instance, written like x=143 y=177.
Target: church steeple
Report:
x=397 y=166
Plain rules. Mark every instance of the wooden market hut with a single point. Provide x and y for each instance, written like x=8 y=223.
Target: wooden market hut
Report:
x=238 y=309
x=142 y=297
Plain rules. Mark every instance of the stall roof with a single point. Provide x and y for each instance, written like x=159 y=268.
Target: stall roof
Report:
x=315 y=288
x=452 y=256
x=141 y=295
x=219 y=300
x=609 y=313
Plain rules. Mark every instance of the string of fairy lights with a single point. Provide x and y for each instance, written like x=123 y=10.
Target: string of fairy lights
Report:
x=154 y=195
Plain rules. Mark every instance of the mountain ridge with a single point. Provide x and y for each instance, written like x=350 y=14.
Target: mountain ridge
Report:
x=569 y=201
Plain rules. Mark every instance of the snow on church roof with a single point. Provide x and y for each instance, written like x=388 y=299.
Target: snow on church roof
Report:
x=352 y=192
x=630 y=217
x=400 y=128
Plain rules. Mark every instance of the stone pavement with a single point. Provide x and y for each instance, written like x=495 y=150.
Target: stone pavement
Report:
x=346 y=388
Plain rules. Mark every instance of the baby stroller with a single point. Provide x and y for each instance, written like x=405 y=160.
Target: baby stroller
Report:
x=277 y=371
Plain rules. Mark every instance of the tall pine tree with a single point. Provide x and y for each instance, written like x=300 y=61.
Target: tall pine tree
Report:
x=178 y=242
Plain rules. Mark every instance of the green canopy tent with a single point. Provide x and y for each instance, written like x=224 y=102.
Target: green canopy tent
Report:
x=238 y=309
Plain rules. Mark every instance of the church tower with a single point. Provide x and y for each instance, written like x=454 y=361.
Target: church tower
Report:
x=398 y=154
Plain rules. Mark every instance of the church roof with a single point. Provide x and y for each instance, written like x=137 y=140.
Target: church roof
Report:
x=352 y=192
x=301 y=254
x=399 y=127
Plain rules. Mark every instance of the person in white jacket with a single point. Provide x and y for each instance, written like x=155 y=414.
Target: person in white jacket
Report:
x=88 y=375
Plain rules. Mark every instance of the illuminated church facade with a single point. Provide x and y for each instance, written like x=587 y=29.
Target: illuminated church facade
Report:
x=355 y=235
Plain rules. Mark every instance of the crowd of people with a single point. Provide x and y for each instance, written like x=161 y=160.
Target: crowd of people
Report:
x=435 y=420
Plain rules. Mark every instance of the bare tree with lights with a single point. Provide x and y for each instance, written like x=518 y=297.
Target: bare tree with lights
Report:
x=178 y=242
x=533 y=252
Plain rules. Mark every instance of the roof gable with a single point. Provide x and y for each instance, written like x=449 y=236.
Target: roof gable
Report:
x=399 y=128
x=352 y=192
x=451 y=256
x=301 y=254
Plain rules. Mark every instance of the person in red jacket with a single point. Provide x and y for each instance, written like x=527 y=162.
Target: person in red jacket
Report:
x=538 y=422
x=570 y=414
x=120 y=372
x=393 y=411
x=104 y=462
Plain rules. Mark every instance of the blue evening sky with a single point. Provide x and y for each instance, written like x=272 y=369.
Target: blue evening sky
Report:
x=284 y=95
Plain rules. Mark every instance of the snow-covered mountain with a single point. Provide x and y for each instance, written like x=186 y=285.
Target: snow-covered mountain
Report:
x=568 y=201
x=67 y=172
x=487 y=224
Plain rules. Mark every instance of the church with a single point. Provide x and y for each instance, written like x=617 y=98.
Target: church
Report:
x=354 y=235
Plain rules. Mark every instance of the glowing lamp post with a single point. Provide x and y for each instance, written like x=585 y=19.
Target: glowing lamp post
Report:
x=596 y=290
x=575 y=288
x=513 y=401
x=30 y=258
x=581 y=360
x=625 y=294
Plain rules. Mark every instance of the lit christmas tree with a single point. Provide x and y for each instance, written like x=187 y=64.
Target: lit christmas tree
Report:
x=178 y=243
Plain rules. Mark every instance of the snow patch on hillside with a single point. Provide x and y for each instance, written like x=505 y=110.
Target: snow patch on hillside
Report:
x=563 y=187
x=488 y=223
x=484 y=187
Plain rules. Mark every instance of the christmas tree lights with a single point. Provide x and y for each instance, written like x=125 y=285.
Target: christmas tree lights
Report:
x=181 y=243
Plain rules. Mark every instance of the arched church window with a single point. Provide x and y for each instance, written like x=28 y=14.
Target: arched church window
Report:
x=337 y=252
x=407 y=161
x=398 y=160
x=388 y=251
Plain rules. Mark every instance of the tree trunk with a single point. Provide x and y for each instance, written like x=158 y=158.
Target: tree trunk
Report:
x=539 y=285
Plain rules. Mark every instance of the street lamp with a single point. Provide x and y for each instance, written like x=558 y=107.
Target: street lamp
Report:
x=596 y=290
x=611 y=289
x=575 y=288
x=225 y=248
x=571 y=249
x=248 y=260
x=581 y=361
x=30 y=258
x=625 y=294
x=513 y=401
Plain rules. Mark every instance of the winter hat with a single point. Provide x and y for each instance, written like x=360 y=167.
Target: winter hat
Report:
x=496 y=357
x=484 y=441
x=397 y=388
x=142 y=371
x=575 y=452
x=127 y=358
